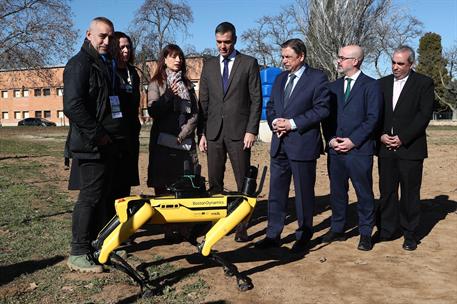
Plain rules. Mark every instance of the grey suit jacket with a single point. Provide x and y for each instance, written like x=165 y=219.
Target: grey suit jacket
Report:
x=239 y=109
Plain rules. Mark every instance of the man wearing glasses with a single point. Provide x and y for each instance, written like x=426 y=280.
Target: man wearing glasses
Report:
x=349 y=131
x=408 y=107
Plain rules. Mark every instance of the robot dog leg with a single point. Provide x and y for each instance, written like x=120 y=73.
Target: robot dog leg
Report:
x=132 y=213
x=191 y=203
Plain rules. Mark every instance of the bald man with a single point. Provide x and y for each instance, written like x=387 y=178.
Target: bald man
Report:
x=350 y=136
x=96 y=139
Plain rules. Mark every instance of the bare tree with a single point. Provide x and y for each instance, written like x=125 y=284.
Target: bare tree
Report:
x=264 y=40
x=450 y=54
x=35 y=33
x=450 y=88
x=396 y=28
x=327 y=25
x=156 y=24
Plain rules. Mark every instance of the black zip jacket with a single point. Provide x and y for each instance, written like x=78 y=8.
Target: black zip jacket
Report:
x=88 y=85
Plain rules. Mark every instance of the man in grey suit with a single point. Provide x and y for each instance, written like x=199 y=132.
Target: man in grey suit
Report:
x=231 y=102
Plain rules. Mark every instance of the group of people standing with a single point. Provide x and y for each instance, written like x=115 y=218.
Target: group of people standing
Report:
x=360 y=117
x=101 y=100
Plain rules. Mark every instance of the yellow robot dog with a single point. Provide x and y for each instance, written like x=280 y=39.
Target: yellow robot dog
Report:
x=190 y=203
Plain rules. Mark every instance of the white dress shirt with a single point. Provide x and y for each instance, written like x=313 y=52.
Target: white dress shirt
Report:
x=354 y=78
x=231 y=59
x=398 y=87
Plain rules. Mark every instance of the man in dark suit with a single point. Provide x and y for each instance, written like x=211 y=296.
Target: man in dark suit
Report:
x=231 y=103
x=298 y=103
x=350 y=133
x=408 y=106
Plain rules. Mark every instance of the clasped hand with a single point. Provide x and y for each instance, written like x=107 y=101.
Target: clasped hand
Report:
x=281 y=126
x=342 y=144
x=391 y=142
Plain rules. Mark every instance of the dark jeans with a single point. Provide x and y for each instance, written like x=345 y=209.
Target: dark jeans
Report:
x=99 y=181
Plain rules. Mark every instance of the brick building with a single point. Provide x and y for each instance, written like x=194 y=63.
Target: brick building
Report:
x=39 y=93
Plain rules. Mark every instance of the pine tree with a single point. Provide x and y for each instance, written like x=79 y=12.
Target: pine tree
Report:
x=433 y=64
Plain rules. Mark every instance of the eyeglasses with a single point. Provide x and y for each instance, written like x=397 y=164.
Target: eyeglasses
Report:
x=342 y=58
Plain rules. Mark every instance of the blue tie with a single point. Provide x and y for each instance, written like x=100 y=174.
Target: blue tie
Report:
x=288 y=89
x=225 y=75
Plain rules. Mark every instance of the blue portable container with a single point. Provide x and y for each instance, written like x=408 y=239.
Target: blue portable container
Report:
x=267 y=77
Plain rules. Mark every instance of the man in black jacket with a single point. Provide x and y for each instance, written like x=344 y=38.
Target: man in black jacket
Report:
x=408 y=105
x=96 y=138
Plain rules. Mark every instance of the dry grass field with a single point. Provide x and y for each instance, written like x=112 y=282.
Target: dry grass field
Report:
x=34 y=241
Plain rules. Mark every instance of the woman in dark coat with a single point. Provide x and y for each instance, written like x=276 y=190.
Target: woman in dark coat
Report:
x=172 y=104
x=129 y=95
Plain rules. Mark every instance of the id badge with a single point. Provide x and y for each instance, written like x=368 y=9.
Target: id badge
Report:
x=115 y=107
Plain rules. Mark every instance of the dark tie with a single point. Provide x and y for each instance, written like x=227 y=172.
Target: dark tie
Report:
x=288 y=89
x=348 y=89
x=225 y=75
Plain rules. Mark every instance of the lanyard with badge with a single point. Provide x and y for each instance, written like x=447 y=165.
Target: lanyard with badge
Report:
x=114 y=100
x=126 y=84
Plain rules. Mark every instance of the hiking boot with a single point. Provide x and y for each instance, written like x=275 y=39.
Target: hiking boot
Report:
x=83 y=263
x=122 y=253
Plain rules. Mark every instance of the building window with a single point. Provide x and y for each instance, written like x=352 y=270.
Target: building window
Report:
x=4 y=94
x=47 y=92
x=5 y=115
x=37 y=92
x=25 y=93
x=59 y=91
x=47 y=114
x=38 y=114
x=60 y=114
x=17 y=115
x=17 y=93
x=25 y=114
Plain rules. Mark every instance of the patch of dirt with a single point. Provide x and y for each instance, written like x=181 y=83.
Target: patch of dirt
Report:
x=335 y=273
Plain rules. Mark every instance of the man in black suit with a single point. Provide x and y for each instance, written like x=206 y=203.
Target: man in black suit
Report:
x=355 y=108
x=298 y=103
x=231 y=103
x=408 y=106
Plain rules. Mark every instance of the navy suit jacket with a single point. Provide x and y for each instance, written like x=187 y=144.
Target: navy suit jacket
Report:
x=307 y=106
x=356 y=118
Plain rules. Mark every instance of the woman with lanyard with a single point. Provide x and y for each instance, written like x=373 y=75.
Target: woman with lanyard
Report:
x=129 y=96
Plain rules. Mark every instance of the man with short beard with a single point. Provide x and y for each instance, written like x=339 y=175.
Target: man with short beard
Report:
x=95 y=139
x=350 y=135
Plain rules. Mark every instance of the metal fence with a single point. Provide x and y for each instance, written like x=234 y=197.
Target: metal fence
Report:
x=441 y=115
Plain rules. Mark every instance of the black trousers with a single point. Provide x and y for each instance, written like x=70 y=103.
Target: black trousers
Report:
x=395 y=213
x=100 y=183
x=217 y=157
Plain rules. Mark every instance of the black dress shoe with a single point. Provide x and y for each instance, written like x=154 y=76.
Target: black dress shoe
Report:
x=331 y=236
x=300 y=246
x=365 y=243
x=242 y=237
x=410 y=244
x=267 y=243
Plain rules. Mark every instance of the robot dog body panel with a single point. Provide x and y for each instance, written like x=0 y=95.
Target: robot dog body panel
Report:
x=227 y=211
